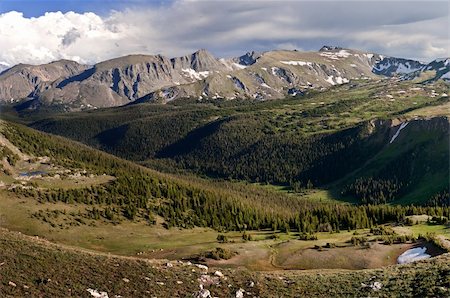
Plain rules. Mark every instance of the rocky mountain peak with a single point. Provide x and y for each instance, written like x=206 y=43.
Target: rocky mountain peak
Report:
x=24 y=80
x=326 y=48
x=201 y=60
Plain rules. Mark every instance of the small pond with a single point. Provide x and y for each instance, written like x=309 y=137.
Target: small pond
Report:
x=31 y=174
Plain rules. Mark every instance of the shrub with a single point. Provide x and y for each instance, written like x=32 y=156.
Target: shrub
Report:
x=307 y=237
x=221 y=254
x=222 y=238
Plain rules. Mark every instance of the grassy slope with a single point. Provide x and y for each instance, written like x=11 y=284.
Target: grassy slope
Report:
x=39 y=268
x=420 y=153
x=133 y=238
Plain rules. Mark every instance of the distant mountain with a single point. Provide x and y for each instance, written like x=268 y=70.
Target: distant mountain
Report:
x=411 y=69
x=3 y=66
x=391 y=66
x=275 y=74
x=200 y=75
x=437 y=69
x=25 y=80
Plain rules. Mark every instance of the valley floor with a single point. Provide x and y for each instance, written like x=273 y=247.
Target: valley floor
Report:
x=266 y=252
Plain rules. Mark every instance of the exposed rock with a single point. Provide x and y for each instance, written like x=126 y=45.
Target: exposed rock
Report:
x=203 y=267
x=329 y=48
x=240 y=293
x=25 y=80
x=203 y=293
x=207 y=280
x=248 y=59
x=97 y=294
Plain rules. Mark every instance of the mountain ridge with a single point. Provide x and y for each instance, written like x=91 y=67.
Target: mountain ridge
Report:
x=200 y=75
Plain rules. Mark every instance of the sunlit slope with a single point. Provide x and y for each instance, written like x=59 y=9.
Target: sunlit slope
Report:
x=411 y=168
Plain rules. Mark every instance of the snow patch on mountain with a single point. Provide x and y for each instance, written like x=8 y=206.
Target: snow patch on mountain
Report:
x=239 y=66
x=396 y=66
x=446 y=61
x=406 y=68
x=299 y=63
x=4 y=66
x=266 y=86
x=412 y=255
x=341 y=80
x=274 y=70
x=336 y=80
x=194 y=74
x=330 y=80
x=336 y=55
x=403 y=125
x=446 y=75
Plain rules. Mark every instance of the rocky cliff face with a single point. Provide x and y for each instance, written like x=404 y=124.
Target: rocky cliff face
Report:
x=115 y=82
x=24 y=80
x=125 y=79
x=199 y=61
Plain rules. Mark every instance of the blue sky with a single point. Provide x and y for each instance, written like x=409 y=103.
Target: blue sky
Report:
x=35 y=31
x=35 y=8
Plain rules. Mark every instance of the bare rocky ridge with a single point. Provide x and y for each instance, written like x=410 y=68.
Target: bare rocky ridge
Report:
x=262 y=76
x=24 y=80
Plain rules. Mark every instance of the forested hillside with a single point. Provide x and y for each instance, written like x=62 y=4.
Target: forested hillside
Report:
x=338 y=139
x=137 y=193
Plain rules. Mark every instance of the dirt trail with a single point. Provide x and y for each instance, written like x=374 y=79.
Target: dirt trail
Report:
x=273 y=256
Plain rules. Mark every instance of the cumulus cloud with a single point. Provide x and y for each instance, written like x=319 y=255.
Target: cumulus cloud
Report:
x=227 y=28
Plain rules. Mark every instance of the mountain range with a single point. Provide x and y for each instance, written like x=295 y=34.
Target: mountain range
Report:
x=140 y=78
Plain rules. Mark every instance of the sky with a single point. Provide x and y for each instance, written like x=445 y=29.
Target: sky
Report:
x=89 y=31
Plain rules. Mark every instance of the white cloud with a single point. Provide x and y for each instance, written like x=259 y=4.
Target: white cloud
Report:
x=409 y=29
